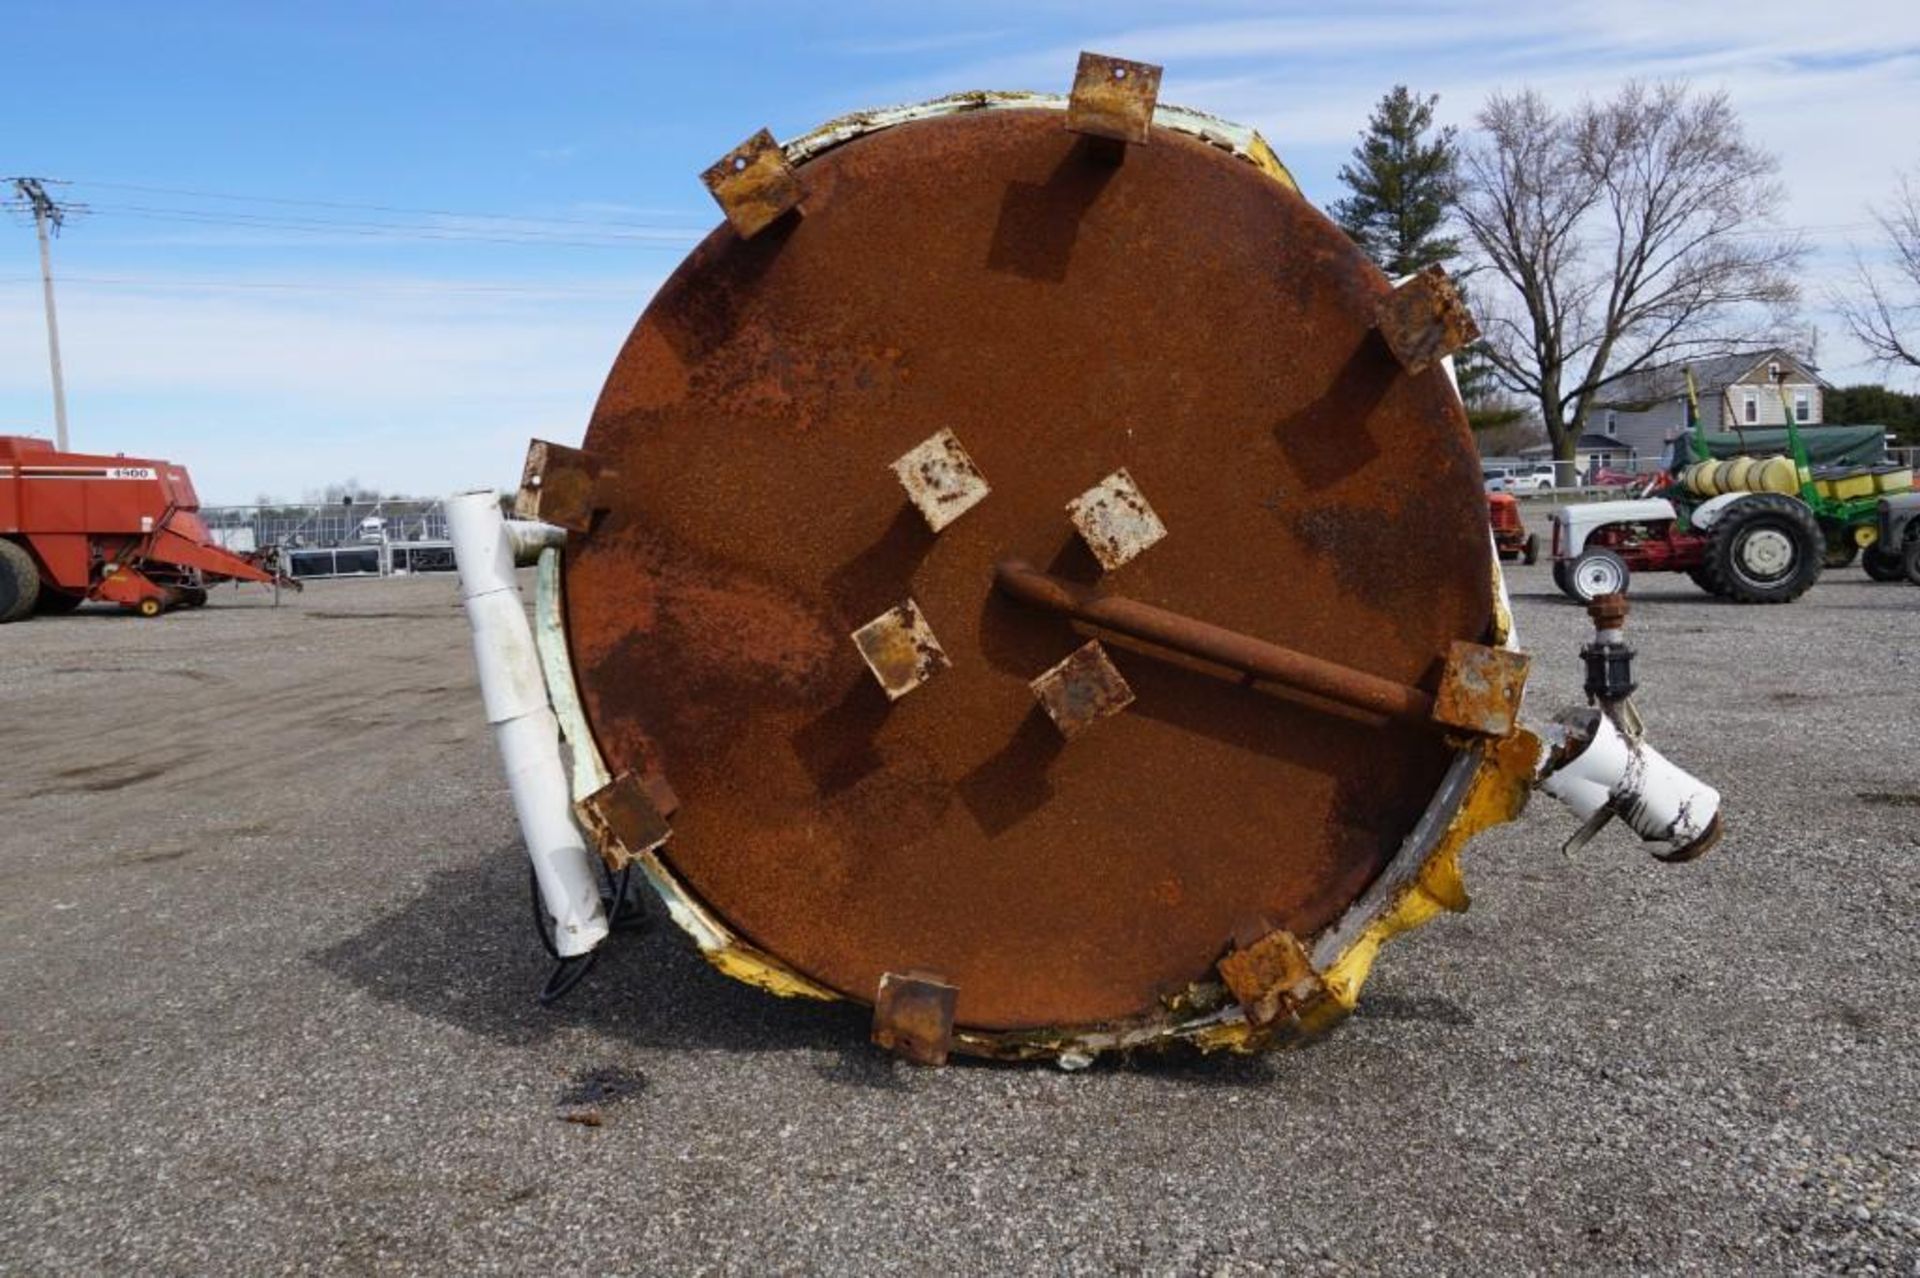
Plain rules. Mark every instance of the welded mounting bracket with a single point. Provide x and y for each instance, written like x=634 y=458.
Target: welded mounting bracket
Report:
x=913 y=1016
x=941 y=480
x=1271 y=977
x=900 y=649
x=753 y=184
x=1113 y=98
x=628 y=817
x=1424 y=320
x=1480 y=689
x=1115 y=520
x=557 y=486
x=1081 y=690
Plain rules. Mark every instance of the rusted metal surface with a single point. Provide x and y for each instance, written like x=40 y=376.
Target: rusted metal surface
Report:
x=1113 y=98
x=941 y=480
x=1082 y=690
x=913 y=1016
x=1270 y=977
x=753 y=184
x=1115 y=520
x=1424 y=321
x=1608 y=612
x=1300 y=671
x=901 y=650
x=628 y=816
x=955 y=271
x=1480 y=689
x=557 y=486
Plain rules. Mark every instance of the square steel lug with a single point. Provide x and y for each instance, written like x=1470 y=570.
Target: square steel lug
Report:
x=1271 y=977
x=753 y=184
x=1480 y=689
x=1425 y=320
x=627 y=817
x=1082 y=690
x=557 y=486
x=941 y=480
x=913 y=1016
x=901 y=650
x=1113 y=98
x=1115 y=520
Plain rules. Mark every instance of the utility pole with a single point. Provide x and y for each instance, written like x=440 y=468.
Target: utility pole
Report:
x=48 y=216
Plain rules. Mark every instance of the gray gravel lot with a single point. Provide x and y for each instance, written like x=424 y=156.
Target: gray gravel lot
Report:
x=268 y=1004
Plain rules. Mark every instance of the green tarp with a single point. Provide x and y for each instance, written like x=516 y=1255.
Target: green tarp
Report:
x=1841 y=445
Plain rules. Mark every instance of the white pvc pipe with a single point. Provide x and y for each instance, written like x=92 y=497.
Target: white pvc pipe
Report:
x=524 y=728
x=1662 y=802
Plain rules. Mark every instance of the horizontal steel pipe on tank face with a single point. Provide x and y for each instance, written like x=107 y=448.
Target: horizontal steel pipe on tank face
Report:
x=1256 y=657
x=514 y=692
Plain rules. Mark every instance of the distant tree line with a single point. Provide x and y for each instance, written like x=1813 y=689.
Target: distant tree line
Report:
x=1869 y=405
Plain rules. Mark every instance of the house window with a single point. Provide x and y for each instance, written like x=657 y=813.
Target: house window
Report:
x=1750 y=410
x=1802 y=406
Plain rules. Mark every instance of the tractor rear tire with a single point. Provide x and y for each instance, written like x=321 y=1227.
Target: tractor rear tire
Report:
x=1530 y=552
x=1882 y=565
x=1698 y=576
x=1597 y=572
x=1560 y=577
x=1767 y=548
x=1911 y=560
x=19 y=582
x=57 y=603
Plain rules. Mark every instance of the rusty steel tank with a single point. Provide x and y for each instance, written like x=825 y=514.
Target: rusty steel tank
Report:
x=1028 y=571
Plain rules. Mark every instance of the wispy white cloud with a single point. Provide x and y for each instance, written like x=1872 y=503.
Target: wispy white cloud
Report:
x=393 y=379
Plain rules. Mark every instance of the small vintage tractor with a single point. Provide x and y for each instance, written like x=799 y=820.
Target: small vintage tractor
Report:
x=1750 y=529
x=1510 y=533
x=75 y=527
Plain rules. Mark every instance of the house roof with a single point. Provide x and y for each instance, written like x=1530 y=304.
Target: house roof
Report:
x=1592 y=441
x=1669 y=381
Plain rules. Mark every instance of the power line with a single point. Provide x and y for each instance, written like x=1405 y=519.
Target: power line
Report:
x=353 y=205
x=162 y=285
x=674 y=238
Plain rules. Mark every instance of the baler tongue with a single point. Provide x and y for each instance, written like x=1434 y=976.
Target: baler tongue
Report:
x=183 y=541
x=1050 y=566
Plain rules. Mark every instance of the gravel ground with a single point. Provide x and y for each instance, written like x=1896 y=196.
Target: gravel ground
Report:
x=268 y=1006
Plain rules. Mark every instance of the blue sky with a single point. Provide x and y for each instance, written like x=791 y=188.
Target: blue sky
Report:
x=454 y=212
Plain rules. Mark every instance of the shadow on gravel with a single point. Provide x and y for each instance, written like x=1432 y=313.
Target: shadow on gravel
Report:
x=464 y=952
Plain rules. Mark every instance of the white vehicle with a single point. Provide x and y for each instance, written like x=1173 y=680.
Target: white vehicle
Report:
x=1534 y=477
x=373 y=530
x=1527 y=477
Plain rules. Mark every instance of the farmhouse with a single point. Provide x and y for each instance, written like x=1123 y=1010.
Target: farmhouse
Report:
x=1646 y=409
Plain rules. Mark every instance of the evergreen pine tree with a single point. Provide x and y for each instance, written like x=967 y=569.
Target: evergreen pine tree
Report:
x=1403 y=183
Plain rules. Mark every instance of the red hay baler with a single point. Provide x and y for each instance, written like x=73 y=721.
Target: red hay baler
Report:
x=124 y=530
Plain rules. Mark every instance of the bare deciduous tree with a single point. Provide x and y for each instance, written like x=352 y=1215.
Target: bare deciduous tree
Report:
x=1627 y=233
x=1885 y=317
